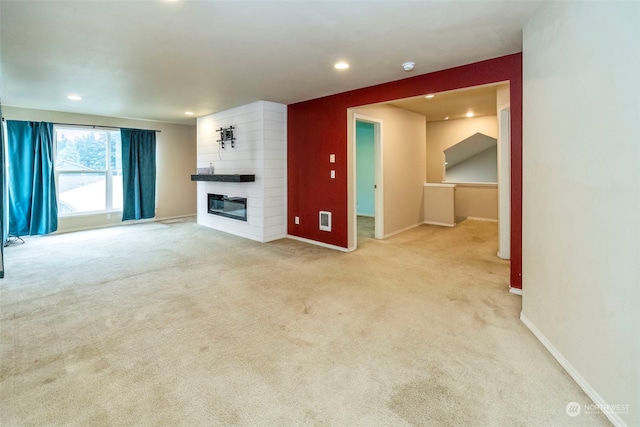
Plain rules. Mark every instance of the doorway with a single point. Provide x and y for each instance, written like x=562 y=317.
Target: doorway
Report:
x=365 y=180
x=451 y=115
x=368 y=201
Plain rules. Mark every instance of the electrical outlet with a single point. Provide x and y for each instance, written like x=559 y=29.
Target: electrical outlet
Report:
x=333 y=174
x=296 y=220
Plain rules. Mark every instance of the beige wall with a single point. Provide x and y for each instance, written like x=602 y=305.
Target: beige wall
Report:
x=439 y=204
x=476 y=201
x=403 y=162
x=581 y=195
x=175 y=159
x=444 y=134
x=503 y=97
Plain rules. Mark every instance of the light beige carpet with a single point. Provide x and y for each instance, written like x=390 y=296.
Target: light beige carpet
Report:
x=366 y=227
x=176 y=324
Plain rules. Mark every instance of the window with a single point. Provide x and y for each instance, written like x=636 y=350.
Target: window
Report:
x=88 y=166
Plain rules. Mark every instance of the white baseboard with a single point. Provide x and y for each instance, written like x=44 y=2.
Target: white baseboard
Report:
x=315 y=242
x=169 y=218
x=516 y=291
x=477 y=218
x=121 y=223
x=584 y=385
x=441 y=224
x=400 y=231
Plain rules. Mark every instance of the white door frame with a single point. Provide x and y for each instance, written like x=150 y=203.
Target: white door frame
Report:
x=504 y=183
x=379 y=181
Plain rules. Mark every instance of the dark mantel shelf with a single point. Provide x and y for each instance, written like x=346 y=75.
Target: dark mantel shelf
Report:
x=223 y=178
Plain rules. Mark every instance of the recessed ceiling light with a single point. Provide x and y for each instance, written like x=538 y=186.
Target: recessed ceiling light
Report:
x=341 y=66
x=408 y=66
x=189 y=113
x=469 y=114
x=74 y=97
x=445 y=118
x=429 y=96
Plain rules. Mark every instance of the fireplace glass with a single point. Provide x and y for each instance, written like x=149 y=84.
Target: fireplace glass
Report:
x=230 y=207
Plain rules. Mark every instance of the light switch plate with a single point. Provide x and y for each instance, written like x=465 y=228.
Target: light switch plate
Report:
x=332 y=158
x=333 y=174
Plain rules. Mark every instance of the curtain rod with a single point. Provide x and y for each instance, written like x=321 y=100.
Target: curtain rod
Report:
x=99 y=126
x=106 y=127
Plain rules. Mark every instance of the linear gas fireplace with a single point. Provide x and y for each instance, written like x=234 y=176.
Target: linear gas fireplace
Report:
x=230 y=207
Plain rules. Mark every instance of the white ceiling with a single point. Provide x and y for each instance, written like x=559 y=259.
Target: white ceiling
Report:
x=452 y=105
x=156 y=59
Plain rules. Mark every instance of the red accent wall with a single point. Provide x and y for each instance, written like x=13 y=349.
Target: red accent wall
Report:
x=318 y=127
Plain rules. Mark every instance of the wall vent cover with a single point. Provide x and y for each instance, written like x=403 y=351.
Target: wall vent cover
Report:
x=325 y=221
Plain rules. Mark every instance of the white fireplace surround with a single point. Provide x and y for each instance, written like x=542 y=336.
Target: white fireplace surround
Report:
x=260 y=149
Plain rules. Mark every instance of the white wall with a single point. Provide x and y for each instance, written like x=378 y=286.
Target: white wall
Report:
x=260 y=149
x=175 y=161
x=581 y=195
x=503 y=104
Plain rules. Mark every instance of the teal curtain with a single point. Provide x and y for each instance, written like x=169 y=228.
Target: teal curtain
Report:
x=4 y=200
x=138 y=173
x=33 y=205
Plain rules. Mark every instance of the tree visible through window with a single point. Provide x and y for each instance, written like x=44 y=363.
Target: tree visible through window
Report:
x=88 y=168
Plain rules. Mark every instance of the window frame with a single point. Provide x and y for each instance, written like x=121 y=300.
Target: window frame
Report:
x=108 y=172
